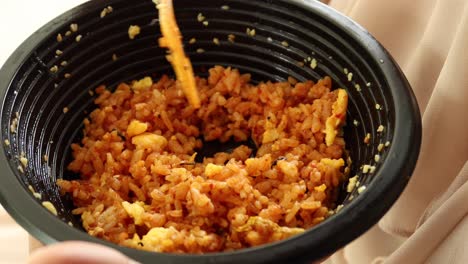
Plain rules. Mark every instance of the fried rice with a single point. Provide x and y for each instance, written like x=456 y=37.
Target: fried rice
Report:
x=141 y=184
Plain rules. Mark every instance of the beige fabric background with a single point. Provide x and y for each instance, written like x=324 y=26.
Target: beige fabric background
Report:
x=429 y=223
x=428 y=39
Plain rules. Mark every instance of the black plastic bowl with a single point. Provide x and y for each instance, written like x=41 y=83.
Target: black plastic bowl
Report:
x=287 y=33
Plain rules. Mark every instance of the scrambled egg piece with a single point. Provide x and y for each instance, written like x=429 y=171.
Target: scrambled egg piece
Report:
x=143 y=83
x=288 y=168
x=149 y=141
x=136 y=128
x=321 y=188
x=157 y=239
x=212 y=170
x=135 y=211
x=337 y=118
x=270 y=135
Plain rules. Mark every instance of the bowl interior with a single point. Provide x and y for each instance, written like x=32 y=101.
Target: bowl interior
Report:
x=288 y=36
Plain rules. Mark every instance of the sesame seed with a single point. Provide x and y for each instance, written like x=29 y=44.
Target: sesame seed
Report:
x=285 y=44
x=65 y=110
x=192 y=41
x=231 y=38
x=313 y=64
x=351 y=197
x=330 y=57
x=200 y=50
x=361 y=189
x=200 y=17
x=74 y=27
x=58 y=52
x=54 y=69
x=114 y=57
x=358 y=183
x=7 y=142
x=380 y=147
x=110 y=9
x=380 y=129
x=372 y=169
x=309 y=59
x=46 y=158
x=63 y=63
x=377 y=106
x=216 y=41
x=368 y=84
x=55 y=85
x=225 y=7
x=381 y=61
x=205 y=23
x=269 y=39
x=68 y=33
x=358 y=87
x=377 y=157
x=355 y=122
x=67 y=75
x=350 y=76
x=78 y=38
x=300 y=64
x=387 y=144
x=59 y=37
x=90 y=92
x=345 y=70
x=20 y=169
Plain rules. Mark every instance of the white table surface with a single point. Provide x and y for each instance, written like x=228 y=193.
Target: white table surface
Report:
x=18 y=20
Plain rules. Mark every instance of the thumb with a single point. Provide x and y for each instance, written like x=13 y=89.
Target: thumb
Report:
x=74 y=252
